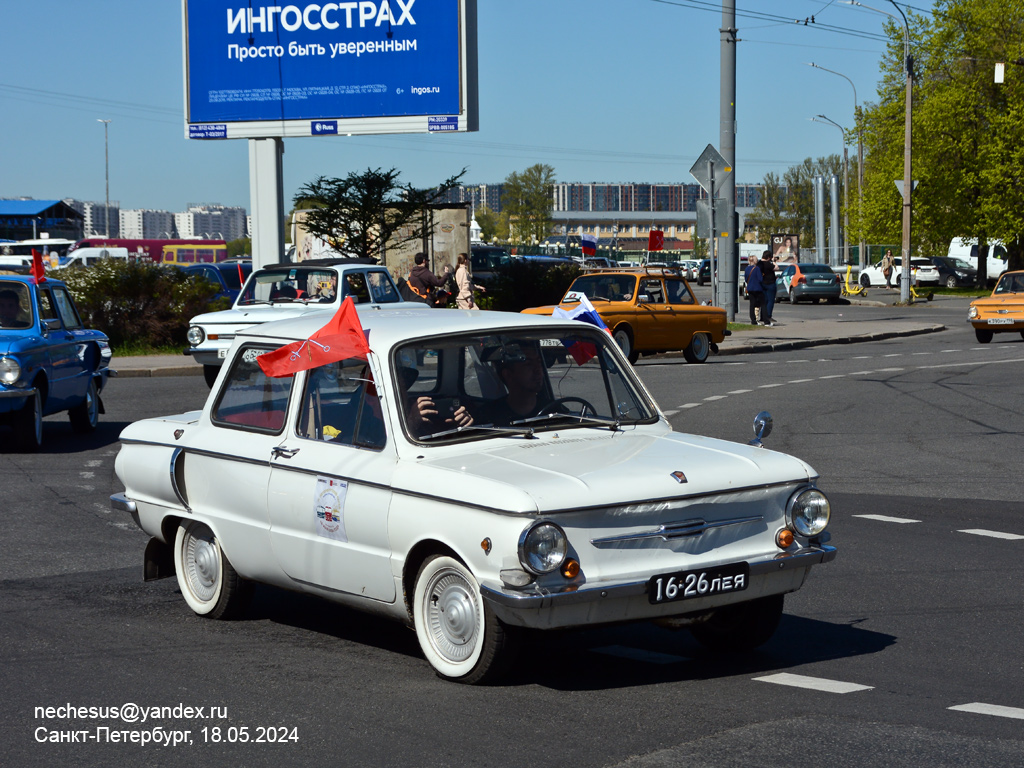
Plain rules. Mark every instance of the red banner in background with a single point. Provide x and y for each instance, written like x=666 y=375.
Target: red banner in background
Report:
x=656 y=240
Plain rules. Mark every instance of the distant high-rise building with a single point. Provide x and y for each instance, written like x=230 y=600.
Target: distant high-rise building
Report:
x=211 y=221
x=146 y=224
x=99 y=220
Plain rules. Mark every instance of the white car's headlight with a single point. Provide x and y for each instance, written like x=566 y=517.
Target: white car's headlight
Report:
x=808 y=512
x=542 y=548
x=10 y=370
x=972 y=313
x=195 y=335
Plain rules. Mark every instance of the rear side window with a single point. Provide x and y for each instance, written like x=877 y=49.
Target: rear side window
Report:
x=250 y=399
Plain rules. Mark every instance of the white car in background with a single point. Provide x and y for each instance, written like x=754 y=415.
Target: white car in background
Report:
x=923 y=272
x=408 y=482
x=283 y=291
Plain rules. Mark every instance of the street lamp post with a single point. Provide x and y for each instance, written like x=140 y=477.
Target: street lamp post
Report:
x=908 y=68
x=846 y=195
x=106 y=164
x=862 y=258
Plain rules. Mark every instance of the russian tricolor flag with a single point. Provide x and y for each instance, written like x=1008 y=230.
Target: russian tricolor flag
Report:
x=582 y=351
x=589 y=244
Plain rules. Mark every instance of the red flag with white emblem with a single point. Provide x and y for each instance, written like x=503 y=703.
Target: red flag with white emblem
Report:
x=38 y=272
x=341 y=338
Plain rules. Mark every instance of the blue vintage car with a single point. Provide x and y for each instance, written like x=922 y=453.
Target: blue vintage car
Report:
x=49 y=361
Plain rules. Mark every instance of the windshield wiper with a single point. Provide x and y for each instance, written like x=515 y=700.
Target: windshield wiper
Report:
x=615 y=424
x=527 y=432
x=250 y=302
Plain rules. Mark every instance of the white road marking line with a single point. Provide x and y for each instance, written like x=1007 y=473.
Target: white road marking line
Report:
x=739 y=392
x=94 y=463
x=921 y=353
x=951 y=350
x=799 y=381
x=976 y=362
x=86 y=475
x=769 y=386
x=766 y=362
x=887 y=519
x=672 y=412
x=798 y=361
x=813 y=683
x=861 y=373
x=992 y=534
x=638 y=654
x=894 y=354
x=688 y=405
x=979 y=708
x=714 y=397
x=732 y=363
x=861 y=357
x=889 y=370
x=833 y=376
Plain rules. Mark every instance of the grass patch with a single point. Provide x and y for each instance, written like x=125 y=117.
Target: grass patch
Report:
x=137 y=349
x=972 y=293
x=743 y=327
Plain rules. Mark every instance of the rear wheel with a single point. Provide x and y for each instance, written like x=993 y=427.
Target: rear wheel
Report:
x=207 y=580
x=865 y=281
x=210 y=373
x=28 y=425
x=741 y=627
x=624 y=338
x=984 y=335
x=459 y=634
x=86 y=415
x=698 y=348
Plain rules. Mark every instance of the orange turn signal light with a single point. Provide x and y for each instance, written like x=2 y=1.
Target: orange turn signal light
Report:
x=784 y=538
x=485 y=545
x=570 y=569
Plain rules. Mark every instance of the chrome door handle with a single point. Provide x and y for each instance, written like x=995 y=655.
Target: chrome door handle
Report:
x=283 y=453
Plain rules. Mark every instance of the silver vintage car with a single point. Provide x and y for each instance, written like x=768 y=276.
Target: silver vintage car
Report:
x=474 y=475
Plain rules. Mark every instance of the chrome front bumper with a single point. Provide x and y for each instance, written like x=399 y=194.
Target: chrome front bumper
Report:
x=576 y=606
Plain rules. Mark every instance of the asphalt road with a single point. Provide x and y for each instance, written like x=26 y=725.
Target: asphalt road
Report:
x=908 y=643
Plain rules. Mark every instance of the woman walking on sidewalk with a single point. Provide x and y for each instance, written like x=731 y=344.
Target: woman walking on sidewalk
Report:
x=768 y=281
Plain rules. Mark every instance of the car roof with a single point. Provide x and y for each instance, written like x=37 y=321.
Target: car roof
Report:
x=355 y=261
x=651 y=271
x=29 y=280
x=394 y=324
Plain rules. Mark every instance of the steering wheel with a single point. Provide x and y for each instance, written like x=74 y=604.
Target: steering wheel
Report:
x=550 y=407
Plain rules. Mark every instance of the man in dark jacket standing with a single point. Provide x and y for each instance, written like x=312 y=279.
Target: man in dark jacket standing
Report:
x=755 y=288
x=423 y=281
x=768 y=281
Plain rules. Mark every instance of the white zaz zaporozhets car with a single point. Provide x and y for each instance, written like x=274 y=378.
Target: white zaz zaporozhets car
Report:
x=476 y=474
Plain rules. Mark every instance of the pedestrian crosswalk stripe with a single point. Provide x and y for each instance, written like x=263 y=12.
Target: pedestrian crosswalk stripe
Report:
x=813 y=683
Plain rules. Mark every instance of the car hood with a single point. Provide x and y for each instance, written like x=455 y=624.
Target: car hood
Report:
x=590 y=469
x=14 y=341
x=260 y=313
x=1005 y=301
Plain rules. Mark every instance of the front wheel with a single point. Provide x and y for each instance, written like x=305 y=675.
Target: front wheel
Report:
x=86 y=415
x=459 y=634
x=983 y=335
x=951 y=282
x=28 y=425
x=624 y=338
x=207 y=580
x=740 y=627
x=698 y=348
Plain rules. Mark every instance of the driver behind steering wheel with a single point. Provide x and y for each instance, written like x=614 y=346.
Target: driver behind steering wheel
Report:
x=524 y=376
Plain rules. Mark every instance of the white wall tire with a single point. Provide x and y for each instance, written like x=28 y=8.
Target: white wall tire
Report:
x=459 y=635
x=624 y=338
x=207 y=581
x=85 y=416
x=28 y=425
x=698 y=349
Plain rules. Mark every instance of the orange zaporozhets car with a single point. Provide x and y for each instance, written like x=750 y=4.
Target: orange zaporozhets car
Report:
x=1002 y=312
x=648 y=310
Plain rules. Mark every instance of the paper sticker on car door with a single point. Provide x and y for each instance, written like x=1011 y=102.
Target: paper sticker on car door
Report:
x=329 y=506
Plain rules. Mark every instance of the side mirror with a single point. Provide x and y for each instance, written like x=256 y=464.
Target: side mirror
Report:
x=643 y=298
x=53 y=324
x=762 y=428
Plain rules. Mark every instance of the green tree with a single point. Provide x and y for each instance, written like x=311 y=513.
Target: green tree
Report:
x=240 y=248
x=771 y=214
x=527 y=202
x=363 y=212
x=489 y=223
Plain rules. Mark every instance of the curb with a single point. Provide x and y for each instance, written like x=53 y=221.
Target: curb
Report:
x=782 y=346
x=149 y=373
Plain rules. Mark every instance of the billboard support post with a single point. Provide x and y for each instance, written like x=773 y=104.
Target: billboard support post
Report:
x=266 y=196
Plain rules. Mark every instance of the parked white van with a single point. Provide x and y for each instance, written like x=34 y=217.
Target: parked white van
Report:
x=967 y=249
x=87 y=257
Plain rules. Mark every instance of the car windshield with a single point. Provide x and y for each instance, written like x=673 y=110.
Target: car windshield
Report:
x=602 y=287
x=488 y=261
x=1011 y=283
x=15 y=305
x=475 y=386
x=297 y=284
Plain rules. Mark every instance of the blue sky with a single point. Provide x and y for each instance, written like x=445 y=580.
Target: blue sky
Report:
x=601 y=90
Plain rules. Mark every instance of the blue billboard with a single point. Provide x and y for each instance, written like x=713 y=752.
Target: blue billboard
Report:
x=262 y=68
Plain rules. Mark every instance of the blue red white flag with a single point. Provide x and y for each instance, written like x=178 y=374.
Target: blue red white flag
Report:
x=589 y=244
x=581 y=351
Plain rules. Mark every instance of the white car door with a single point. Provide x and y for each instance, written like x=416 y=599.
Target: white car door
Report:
x=330 y=486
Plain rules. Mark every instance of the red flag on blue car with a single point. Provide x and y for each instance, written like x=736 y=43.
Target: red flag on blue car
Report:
x=341 y=338
x=38 y=271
